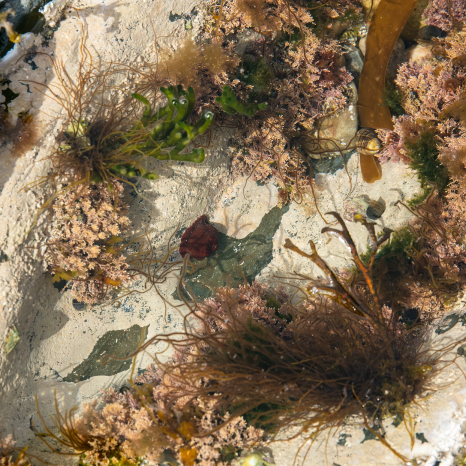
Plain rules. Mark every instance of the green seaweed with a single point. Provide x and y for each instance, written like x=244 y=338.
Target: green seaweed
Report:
x=424 y=159
x=261 y=416
x=273 y=303
x=400 y=241
x=419 y=199
x=232 y=105
x=294 y=37
x=392 y=99
x=173 y=132
x=256 y=72
x=162 y=134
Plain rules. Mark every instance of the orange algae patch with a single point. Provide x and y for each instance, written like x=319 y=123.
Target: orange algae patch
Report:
x=109 y=281
x=188 y=456
x=386 y=26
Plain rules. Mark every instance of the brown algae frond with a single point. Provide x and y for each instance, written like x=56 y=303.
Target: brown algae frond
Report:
x=339 y=352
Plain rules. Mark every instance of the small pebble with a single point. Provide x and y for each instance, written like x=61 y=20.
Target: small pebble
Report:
x=78 y=305
x=375 y=209
x=367 y=208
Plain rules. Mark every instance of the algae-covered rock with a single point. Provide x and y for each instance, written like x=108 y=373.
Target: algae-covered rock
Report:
x=235 y=260
x=118 y=343
x=415 y=21
x=334 y=133
x=354 y=61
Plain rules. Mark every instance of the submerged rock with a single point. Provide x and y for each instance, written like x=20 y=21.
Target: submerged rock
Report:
x=330 y=165
x=354 y=60
x=235 y=259
x=429 y=32
x=364 y=207
x=419 y=54
x=78 y=305
x=118 y=343
x=335 y=133
x=27 y=18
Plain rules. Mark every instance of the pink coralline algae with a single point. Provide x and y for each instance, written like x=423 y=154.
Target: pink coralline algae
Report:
x=445 y=13
x=200 y=240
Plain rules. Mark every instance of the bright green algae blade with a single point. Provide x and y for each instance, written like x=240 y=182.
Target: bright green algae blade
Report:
x=248 y=255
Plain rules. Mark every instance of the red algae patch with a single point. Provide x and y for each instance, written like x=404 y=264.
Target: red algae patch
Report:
x=200 y=240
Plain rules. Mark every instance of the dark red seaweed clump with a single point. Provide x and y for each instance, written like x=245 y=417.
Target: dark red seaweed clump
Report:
x=200 y=240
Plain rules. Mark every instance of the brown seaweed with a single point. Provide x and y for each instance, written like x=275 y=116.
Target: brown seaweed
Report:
x=385 y=28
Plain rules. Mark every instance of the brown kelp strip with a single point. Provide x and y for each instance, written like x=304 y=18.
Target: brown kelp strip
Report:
x=385 y=28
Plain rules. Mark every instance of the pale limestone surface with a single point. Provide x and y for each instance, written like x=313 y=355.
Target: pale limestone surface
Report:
x=55 y=337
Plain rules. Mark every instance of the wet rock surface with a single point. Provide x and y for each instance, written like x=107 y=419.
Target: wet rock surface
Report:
x=354 y=60
x=330 y=165
x=235 y=259
x=27 y=18
x=335 y=133
x=419 y=54
x=117 y=343
x=364 y=207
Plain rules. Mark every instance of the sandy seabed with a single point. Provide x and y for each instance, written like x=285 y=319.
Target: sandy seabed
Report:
x=55 y=337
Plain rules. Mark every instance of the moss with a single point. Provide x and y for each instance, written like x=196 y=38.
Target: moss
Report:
x=392 y=99
x=419 y=199
x=256 y=72
x=424 y=159
x=394 y=249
